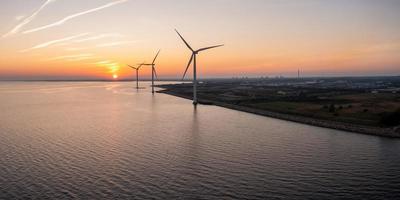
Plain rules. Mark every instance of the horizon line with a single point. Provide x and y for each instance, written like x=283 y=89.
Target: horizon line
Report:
x=189 y=80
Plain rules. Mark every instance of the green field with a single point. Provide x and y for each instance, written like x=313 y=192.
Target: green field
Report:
x=350 y=106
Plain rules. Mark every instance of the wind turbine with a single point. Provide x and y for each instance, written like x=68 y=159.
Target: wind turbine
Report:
x=137 y=73
x=193 y=58
x=153 y=71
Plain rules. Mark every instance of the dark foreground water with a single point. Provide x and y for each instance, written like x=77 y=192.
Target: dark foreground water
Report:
x=106 y=140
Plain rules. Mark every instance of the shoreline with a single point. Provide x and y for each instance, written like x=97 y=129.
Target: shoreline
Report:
x=369 y=130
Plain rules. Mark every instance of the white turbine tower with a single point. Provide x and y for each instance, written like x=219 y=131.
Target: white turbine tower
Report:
x=137 y=73
x=153 y=71
x=193 y=58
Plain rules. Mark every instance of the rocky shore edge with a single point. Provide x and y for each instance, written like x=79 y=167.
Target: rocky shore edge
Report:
x=384 y=132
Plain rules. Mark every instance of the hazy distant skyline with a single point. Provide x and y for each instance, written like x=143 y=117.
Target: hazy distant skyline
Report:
x=94 y=39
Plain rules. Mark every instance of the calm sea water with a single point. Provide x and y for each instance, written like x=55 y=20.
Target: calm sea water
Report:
x=105 y=140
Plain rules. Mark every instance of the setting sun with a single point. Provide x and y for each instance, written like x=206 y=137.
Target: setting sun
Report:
x=115 y=76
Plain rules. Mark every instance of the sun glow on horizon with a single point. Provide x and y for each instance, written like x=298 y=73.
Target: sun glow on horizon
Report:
x=115 y=76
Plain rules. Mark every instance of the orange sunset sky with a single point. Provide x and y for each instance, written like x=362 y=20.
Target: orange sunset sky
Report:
x=95 y=39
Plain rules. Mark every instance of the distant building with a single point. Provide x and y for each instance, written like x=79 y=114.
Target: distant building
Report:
x=281 y=92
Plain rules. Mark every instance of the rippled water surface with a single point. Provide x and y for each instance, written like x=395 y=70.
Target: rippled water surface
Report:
x=104 y=140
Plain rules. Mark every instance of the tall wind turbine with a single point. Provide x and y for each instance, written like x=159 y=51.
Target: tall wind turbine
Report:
x=193 y=58
x=137 y=73
x=153 y=71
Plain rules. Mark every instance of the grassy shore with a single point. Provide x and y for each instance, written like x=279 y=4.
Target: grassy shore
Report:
x=348 y=111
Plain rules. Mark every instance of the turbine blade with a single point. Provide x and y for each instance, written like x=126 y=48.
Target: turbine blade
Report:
x=140 y=65
x=156 y=56
x=203 y=49
x=190 y=62
x=187 y=44
x=132 y=67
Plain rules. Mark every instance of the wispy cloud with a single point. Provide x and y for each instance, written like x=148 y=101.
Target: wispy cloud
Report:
x=103 y=62
x=77 y=48
x=58 y=23
x=28 y=19
x=87 y=39
x=116 y=43
x=112 y=66
x=101 y=36
x=82 y=58
x=53 y=42
x=19 y=17
x=76 y=57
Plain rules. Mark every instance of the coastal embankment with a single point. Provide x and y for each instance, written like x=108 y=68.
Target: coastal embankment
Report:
x=379 y=131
